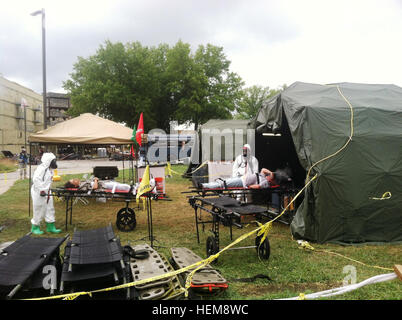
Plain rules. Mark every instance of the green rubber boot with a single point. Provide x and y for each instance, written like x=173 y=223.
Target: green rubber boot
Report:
x=36 y=229
x=51 y=228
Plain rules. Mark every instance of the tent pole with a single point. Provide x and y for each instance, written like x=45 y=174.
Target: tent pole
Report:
x=131 y=166
x=150 y=218
x=123 y=162
x=146 y=153
x=29 y=187
x=136 y=167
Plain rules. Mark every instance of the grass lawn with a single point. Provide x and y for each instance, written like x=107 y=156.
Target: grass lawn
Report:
x=292 y=270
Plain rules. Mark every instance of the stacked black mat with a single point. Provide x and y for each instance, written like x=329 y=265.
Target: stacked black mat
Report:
x=92 y=259
x=22 y=263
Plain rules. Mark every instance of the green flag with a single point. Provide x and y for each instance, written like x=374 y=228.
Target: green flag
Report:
x=133 y=135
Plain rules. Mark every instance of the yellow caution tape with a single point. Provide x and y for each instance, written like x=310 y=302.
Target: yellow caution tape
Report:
x=263 y=229
x=175 y=172
x=199 y=167
x=202 y=165
x=302 y=296
x=68 y=296
x=206 y=176
x=73 y=296
x=192 y=268
x=168 y=169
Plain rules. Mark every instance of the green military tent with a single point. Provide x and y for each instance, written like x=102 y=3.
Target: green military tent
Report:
x=357 y=196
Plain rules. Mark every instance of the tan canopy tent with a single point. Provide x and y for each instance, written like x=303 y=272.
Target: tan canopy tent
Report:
x=85 y=129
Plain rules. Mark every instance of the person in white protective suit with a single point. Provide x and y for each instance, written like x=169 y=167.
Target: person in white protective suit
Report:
x=245 y=163
x=42 y=201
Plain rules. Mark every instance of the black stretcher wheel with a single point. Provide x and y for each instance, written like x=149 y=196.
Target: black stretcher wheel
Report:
x=263 y=250
x=212 y=246
x=126 y=220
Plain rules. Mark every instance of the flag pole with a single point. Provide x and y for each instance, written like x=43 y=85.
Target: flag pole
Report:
x=136 y=167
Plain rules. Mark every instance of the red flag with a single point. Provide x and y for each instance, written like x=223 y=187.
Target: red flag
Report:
x=132 y=151
x=140 y=130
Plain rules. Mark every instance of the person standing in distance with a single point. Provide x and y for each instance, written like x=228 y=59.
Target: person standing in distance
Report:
x=22 y=163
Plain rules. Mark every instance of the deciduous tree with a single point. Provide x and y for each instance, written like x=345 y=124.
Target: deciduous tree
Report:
x=165 y=83
x=252 y=100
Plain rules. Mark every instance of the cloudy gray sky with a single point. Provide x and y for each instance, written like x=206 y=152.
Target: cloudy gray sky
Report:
x=269 y=43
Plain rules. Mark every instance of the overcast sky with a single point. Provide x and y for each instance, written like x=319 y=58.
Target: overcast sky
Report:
x=269 y=43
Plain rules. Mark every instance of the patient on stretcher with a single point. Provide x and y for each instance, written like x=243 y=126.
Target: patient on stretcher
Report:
x=113 y=186
x=262 y=180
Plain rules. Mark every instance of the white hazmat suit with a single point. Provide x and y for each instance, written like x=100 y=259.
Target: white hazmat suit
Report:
x=245 y=164
x=43 y=208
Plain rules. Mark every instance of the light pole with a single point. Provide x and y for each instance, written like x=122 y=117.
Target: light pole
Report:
x=42 y=12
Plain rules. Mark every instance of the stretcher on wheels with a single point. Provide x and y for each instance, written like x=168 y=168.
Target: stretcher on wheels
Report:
x=125 y=217
x=229 y=212
x=275 y=198
x=231 y=206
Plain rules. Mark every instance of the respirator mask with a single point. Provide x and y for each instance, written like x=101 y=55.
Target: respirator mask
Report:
x=53 y=164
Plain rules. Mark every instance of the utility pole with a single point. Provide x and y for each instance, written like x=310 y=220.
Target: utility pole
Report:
x=42 y=12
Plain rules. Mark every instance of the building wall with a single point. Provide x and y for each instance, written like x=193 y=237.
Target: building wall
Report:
x=13 y=127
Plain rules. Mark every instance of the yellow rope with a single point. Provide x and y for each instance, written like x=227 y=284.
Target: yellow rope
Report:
x=307 y=246
x=385 y=196
x=350 y=135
